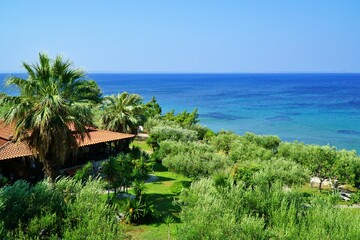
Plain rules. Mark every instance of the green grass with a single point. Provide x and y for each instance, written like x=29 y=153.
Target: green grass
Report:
x=310 y=191
x=162 y=194
x=142 y=145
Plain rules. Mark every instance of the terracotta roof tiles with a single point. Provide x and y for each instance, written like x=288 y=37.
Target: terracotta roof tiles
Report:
x=14 y=150
x=9 y=149
x=6 y=131
x=99 y=136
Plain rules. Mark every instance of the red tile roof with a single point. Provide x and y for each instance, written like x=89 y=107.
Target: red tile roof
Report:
x=2 y=141
x=100 y=136
x=9 y=149
x=14 y=150
x=6 y=131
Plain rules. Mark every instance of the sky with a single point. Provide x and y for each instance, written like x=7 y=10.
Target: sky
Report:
x=183 y=36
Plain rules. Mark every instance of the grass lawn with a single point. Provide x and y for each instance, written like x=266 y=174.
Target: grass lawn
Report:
x=142 y=145
x=310 y=191
x=162 y=194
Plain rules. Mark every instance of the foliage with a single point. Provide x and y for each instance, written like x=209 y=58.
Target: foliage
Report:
x=122 y=170
x=123 y=113
x=66 y=209
x=287 y=172
x=21 y=202
x=267 y=142
x=139 y=188
x=347 y=167
x=91 y=91
x=241 y=151
x=296 y=151
x=158 y=121
x=223 y=141
x=51 y=99
x=355 y=198
x=85 y=172
x=244 y=172
x=125 y=174
x=89 y=215
x=3 y=181
x=178 y=186
x=203 y=133
x=237 y=212
x=142 y=167
x=138 y=211
x=111 y=170
x=152 y=108
x=159 y=134
x=322 y=164
x=192 y=159
x=184 y=119
x=208 y=213
x=266 y=173
x=324 y=161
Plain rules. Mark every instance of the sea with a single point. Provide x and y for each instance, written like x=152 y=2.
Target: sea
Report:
x=312 y=108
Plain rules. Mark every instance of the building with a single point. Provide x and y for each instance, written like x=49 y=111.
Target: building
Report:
x=17 y=161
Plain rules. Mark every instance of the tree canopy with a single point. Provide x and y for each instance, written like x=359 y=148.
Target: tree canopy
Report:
x=123 y=112
x=52 y=110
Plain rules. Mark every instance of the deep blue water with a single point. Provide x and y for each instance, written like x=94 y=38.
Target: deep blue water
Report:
x=313 y=108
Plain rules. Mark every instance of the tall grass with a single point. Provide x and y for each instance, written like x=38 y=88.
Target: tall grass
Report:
x=67 y=209
x=237 y=212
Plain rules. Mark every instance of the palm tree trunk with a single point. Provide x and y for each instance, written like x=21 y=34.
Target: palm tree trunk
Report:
x=51 y=169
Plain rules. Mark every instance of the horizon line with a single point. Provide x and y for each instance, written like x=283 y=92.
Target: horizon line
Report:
x=165 y=72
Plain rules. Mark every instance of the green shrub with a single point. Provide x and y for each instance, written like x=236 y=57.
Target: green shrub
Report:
x=159 y=134
x=237 y=212
x=3 y=181
x=43 y=226
x=67 y=209
x=138 y=211
x=192 y=159
x=178 y=186
x=85 y=172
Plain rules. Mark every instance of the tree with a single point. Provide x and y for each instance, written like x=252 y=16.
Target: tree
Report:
x=268 y=142
x=323 y=163
x=123 y=113
x=192 y=159
x=111 y=170
x=51 y=99
x=162 y=133
x=152 y=108
x=185 y=119
x=223 y=141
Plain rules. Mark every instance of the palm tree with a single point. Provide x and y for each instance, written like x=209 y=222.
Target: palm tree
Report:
x=111 y=170
x=123 y=113
x=51 y=99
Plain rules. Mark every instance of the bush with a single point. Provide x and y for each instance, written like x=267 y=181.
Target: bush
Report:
x=192 y=159
x=44 y=226
x=237 y=212
x=159 y=134
x=66 y=209
x=246 y=151
x=178 y=186
x=138 y=211
x=3 y=181
x=223 y=141
x=85 y=172
x=268 y=142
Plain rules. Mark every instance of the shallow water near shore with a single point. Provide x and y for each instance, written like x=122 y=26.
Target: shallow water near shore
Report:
x=312 y=108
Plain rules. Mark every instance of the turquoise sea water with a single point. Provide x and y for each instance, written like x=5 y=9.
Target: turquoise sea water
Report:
x=313 y=108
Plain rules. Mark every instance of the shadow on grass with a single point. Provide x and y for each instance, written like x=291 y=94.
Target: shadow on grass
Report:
x=160 y=179
x=158 y=167
x=164 y=204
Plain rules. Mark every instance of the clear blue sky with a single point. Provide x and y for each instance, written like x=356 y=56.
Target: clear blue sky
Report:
x=184 y=36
